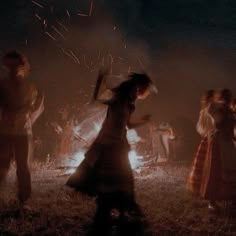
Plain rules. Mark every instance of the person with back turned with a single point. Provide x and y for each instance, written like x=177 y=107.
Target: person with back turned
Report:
x=20 y=104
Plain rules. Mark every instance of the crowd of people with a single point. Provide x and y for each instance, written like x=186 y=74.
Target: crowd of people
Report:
x=105 y=173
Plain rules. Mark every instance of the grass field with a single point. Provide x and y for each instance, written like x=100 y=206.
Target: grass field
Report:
x=55 y=209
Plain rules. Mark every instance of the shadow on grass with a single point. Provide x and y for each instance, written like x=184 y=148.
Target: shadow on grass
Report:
x=134 y=225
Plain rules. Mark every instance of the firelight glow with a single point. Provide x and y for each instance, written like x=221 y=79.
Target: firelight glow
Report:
x=88 y=134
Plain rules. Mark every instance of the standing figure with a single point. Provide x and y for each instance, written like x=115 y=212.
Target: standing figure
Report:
x=106 y=172
x=21 y=105
x=161 y=138
x=205 y=127
x=218 y=178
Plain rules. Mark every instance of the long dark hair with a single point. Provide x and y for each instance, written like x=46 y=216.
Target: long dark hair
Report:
x=127 y=89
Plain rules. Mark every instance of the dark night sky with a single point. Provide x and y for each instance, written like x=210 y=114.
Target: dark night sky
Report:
x=190 y=44
x=136 y=17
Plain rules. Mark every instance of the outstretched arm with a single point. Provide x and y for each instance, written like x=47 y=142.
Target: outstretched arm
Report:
x=135 y=124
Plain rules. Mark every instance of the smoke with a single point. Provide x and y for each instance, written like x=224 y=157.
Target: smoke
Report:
x=66 y=51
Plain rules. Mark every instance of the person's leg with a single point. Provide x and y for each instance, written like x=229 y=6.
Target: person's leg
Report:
x=102 y=218
x=103 y=212
x=22 y=151
x=5 y=156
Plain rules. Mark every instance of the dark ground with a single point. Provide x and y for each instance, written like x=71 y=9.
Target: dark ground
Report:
x=168 y=208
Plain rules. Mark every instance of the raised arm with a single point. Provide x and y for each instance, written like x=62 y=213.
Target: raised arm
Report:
x=99 y=83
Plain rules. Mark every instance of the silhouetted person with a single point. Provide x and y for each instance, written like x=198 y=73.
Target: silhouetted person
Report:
x=20 y=105
x=106 y=172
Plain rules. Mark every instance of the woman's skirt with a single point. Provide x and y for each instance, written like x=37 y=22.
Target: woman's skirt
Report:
x=213 y=174
x=195 y=177
x=105 y=170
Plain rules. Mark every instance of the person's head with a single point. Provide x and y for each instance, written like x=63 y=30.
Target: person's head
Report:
x=217 y=96
x=226 y=96
x=137 y=86
x=16 y=63
x=207 y=98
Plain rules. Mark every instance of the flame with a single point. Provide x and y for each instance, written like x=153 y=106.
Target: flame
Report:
x=87 y=134
x=135 y=160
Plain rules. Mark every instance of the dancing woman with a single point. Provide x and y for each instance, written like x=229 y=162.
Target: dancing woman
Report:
x=106 y=172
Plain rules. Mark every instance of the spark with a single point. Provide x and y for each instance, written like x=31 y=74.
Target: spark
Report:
x=53 y=27
x=69 y=55
x=68 y=13
x=91 y=8
x=75 y=57
x=82 y=14
x=45 y=23
x=63 y=26
x=85 y=62
x=37 y=4
x=38 y=17
x=48 y=34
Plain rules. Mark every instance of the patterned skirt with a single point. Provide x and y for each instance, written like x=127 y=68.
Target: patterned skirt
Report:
x=213 y=173
x=196 y=173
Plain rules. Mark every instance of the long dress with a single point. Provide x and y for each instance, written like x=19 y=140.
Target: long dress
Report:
x=106 y=167
x=205 y=127
x=219 y=179
x=213 y=176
